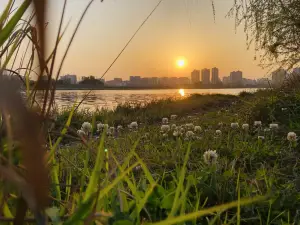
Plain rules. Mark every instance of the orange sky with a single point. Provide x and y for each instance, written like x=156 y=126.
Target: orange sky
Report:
x=178 y=28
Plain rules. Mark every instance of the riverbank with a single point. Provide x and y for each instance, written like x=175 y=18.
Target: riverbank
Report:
x=217 y=149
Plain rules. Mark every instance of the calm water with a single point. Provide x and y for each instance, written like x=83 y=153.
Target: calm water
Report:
x=111 y=98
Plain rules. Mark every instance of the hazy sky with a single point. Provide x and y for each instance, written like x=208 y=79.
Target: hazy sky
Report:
x=178 y=28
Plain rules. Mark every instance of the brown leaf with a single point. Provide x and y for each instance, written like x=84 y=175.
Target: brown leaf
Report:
x=27 y=130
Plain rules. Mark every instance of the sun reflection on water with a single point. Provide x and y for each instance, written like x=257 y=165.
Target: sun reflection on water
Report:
x=181 y=92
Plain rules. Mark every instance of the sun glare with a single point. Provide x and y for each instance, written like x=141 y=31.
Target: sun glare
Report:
x=180 y=63
x=181 y=92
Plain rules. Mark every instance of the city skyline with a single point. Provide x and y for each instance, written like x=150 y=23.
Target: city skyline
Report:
x=177 y=29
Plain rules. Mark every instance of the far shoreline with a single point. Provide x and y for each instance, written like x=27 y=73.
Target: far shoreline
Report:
x=146 y=88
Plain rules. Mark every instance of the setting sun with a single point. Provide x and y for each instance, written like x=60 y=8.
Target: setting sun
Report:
x=180 y=63
x=181 y=92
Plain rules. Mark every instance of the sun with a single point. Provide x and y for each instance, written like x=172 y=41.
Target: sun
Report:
x=181 y=92
x=180 y=63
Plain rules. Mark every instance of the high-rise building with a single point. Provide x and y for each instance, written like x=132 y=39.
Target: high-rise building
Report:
x=195 y=76
x=214 y=75
x=134 y=80
x=71 y=79
x=278 y=77
x=226 y=80
x=236 y=77
x=205 y=76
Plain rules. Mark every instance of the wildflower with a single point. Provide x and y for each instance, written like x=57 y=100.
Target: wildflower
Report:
x=274 y=126
x=261 y=138
x=86 y=127
x=197 y=129
x=81 y=133
x=189 y=134
x=267 y=130
x=189 y=126
x=165 y=128
x=283 y=109
x=234 y=125
x=100 y=127
x=210 y=157
x=292 y=137
x=133 y=125
x=257 y=123
x=245 y=126
x=220 y=124
x=182 y=130
x=120 y=128
x=176 y=133
x=218 y=132
x=173 y=127
x=165 y=135
x=173 y=117
x=165 y=120
x=111 y=131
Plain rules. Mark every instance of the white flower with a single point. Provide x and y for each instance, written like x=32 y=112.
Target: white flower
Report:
x=266 y=130
x=165 y=128
x=218 y=132
x=106 y=126
x=175 y=133
x=165 y=135
x=165 y=120
x=120 y=128
x=261 y=138
x=283 y=109
x=111 y=131
x=189 y=134
x=133 y=125
x=210 y=157
x=274 y=126
x=81 y=133
x=197 y=129
x=173 y=127
x=100 y=127
x=234 y=125
x=86 y=127
x=173 y=117
x=220 y=124
x=182 y=130
x=292 y=137
x=189 y=126
x=257 y=123
x=245 y=126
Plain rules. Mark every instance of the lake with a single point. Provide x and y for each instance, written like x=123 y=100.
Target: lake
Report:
x=111 y=98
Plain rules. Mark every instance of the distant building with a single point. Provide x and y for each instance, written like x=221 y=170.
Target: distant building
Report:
x=263 y=81
x=214 y=75
x=236 y=77
x=134 y=80
x=195 y=76
x=249 y=82
x=183 y=80
x=164 y=81
x=205 y=76
x=116 y=82
x=278 y=77
x=226 y=80
x=69 y=78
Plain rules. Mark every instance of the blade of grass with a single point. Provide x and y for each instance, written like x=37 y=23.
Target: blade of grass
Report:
x=5 y=13
x=180 y=183
x=204 y=212
x=9 y=27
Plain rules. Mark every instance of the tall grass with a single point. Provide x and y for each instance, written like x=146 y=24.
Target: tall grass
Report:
x=113 y=181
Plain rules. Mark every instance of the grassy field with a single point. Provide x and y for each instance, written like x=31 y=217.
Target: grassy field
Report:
x=174 y=173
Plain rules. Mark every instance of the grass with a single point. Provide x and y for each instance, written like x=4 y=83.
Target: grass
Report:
x=141 y=176
x=174 y=180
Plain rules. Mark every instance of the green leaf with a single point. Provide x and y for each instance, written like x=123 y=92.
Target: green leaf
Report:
x=5 y=14
x=8 y=29
x=167 y=201
x=83 y=211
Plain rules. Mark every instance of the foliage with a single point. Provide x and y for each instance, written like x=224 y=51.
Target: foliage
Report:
x=274 y=26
